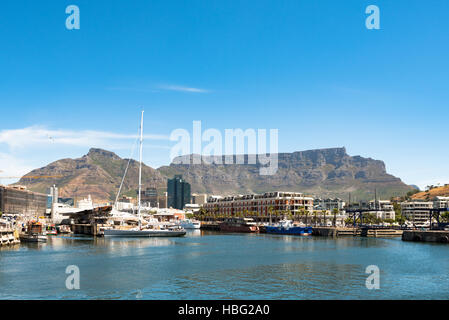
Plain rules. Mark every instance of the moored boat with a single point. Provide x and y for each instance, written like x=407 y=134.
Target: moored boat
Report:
x=51 y=230
x=34 y=233
x=288 y=228
x=136 y=232
x=189 y=224
x=151 y=230
x=239 y=225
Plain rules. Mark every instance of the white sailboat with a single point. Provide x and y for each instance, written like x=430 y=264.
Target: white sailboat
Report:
x=151 y=230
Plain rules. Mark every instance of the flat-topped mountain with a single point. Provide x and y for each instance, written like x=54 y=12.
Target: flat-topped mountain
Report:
x=323 y=172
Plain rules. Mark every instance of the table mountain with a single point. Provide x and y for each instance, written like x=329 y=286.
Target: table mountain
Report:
x=324 y=172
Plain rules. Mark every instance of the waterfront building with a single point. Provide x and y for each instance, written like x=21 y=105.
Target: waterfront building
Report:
x=164 y=215
x=329 y=204
x=52 y=197
x=260 y=204
x=150 y=197
x=17 y=200
x=382 y=209
x=163 y=201
x=417 y=211
x=199 y=199
x=125 y=206
x=178 y=192
x=85 y=204
x=192 y=208
x=441 y=202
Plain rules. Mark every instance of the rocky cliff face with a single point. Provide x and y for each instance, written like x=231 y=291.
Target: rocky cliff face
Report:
x=325 y=172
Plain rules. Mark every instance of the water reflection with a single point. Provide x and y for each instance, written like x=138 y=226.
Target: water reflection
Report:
x=210 y=265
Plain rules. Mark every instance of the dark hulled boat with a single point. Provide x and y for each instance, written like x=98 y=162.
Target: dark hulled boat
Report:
x=239 y=225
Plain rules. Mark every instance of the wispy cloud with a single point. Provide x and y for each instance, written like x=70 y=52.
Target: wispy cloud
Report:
x=12 y=166
x=183 y=89
x=35 y=136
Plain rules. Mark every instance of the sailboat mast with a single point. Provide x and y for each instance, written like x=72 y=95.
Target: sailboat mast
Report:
x=140 y=172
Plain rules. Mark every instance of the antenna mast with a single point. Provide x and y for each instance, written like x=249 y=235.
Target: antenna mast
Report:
x=140 y=172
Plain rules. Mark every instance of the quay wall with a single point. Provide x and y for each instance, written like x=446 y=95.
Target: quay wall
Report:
x=426 y=236
x=335 y=232
x=355 y=232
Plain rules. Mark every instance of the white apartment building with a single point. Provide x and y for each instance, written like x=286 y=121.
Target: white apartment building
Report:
x=417 y=211
x=329 y=204
x=382 y=209
x=441 y=202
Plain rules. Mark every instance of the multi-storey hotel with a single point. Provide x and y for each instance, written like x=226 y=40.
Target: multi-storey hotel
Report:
x=260 y=203
x=417 y=211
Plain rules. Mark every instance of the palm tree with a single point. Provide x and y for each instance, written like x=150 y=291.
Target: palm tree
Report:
x=335 y=211
x=270 y=211
x=307 y=217
x=301 y=211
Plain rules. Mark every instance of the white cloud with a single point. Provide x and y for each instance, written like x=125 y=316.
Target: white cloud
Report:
x=12 y=167
x=39 y=136
x=183 y=89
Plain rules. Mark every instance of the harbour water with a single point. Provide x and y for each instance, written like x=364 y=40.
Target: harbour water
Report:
x=207 y=265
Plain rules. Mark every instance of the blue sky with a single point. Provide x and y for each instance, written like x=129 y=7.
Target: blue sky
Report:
x=308 y=68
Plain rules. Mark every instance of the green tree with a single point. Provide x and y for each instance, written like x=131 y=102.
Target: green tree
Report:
x=335 y=211
x=307 y=217
x=444 y=216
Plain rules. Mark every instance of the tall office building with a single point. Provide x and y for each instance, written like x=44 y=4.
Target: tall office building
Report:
x=178 y=192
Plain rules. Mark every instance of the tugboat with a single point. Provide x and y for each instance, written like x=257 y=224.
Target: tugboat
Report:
x=34 y=233
x=239 y=225
x=288 y=228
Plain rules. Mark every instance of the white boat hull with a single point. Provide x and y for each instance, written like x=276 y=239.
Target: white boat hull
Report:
x=143 y=233
x=190 y=226
x=32 y=238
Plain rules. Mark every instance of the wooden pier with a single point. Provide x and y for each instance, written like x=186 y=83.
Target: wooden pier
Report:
x=9 y=237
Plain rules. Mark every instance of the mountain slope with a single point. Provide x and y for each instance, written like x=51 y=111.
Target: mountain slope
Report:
x=99 y=173
x=324 y=172
x=432 y=193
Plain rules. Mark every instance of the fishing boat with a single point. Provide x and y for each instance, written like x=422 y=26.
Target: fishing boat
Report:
x=151 y=230
x=239 y=225
x=34 y=233
x=51 y=230
x=189 y=224
x=287 y=227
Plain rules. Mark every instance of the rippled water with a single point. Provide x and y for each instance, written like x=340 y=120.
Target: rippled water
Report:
x=225 y=266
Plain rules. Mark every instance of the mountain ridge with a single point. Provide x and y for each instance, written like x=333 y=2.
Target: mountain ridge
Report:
x=322 y=172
